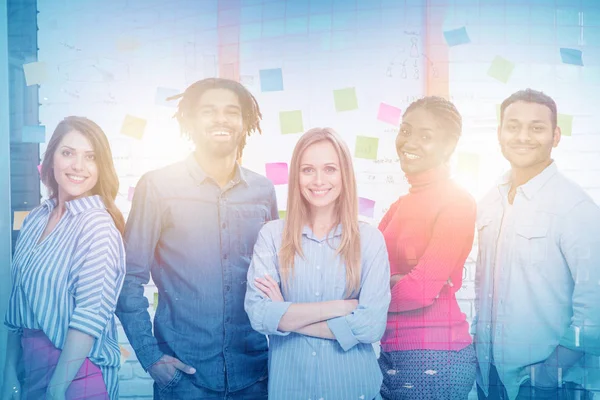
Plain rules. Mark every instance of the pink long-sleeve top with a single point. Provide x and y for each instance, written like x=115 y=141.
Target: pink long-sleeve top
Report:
x=429 y=233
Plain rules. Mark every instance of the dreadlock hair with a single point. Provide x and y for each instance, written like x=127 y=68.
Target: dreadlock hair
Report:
x=444 y=112
x=531 y=96
x=186 y=108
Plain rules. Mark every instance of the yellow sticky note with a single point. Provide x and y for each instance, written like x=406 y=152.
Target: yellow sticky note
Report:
x=345 y=99
x=155 y=300
x=468 y=164
x=366 y=147
x=565 y=122
x=36 y=73
x=291 y=122
x=501 y=69
x=282 y=214
x=498 y=112
x=19 y=217
x=133 y=126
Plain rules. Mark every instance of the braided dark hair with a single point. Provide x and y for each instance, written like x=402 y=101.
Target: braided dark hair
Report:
x=251 y=114
x=444 y=111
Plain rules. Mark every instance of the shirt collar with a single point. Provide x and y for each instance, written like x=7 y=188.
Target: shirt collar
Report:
x=199 y=175
x=533 y=186
x=77 y=206
x=332 y=233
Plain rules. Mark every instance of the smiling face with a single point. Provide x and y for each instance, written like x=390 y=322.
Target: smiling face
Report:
x=74 y=166
x=217 y=126
x=526 y=135
x=422 y=144
x=320 y=176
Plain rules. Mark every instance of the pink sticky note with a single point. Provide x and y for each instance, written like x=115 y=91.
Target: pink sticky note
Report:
x=366 y=207
x=40 y=169
x=389 y=114
x=130 y=193
x=277 y=173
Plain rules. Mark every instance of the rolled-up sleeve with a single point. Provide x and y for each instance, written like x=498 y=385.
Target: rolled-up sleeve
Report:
x=97 y=276
x=264 y=314
x=367 y=323
x=580 y=245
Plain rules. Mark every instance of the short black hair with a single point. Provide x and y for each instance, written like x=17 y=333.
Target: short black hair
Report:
x=443 y=109
x=531 y=96
x=251 y=114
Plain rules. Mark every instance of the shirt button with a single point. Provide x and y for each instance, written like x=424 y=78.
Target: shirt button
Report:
x=227 y=288
x=490 y=296
x=314 y=353
x=318 y=267
x=488 y=326
x=317 y=293
x=224 y=225
x=225 y=256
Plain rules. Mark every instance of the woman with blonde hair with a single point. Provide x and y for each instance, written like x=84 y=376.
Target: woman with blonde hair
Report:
x=318 y=283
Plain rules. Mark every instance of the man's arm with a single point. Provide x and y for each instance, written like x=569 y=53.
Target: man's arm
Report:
x=142 y=233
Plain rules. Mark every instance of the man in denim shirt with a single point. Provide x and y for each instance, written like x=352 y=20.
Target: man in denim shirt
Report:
x=538 y=270
x=192 y=227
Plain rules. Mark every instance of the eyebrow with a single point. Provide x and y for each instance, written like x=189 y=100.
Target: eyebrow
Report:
x=71 y=148
x=535 y=121
x=227 y=106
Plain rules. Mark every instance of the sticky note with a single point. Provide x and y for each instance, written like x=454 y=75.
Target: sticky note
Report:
x=565 y=122
x=366 y=207
x=291 y=122
x=389 y=114
x=33 y=134
x=155 y=300
x=133 y=126
x=457 y=37
x=277 y=173
x=366 y=147
x=162 y=93
x=130 y=193
x=127 y=43
x=571 y=56
x=36 y=73
x=282 y=214
x=124 y=353
x=345 y=99
x=19 y=217
x=501 y=69
x=468 y=163
x=271 y=80
x=40 y=169
x=498 y=112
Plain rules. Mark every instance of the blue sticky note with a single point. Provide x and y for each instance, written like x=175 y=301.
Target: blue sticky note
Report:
x=571 y=56
x=457 y=36
x=163 y=93
x=271 y=80
x=33 y=134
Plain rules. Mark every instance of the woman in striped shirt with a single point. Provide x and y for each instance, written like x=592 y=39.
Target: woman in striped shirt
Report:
x=318 y=283
x=67 y=272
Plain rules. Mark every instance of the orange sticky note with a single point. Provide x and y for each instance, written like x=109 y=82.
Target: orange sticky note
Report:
x=19 y=217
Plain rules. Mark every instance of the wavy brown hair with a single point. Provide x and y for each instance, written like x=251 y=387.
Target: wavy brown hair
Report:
x=107 y=186
x=298 y=211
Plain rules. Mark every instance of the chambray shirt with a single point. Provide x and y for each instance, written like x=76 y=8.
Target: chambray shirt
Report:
x=304 y=367
x=547 y=280
x=196 y=239
x=70 y=280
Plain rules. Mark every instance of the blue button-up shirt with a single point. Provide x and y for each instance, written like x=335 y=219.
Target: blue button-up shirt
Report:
x=196 y=240
x=541 y=287
x=303 y=367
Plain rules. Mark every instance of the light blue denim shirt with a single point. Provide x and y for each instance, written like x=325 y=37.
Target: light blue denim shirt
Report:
x=548 y=280
x=304 y=367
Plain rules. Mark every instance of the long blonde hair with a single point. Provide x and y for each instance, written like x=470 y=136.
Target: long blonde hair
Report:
x=346 y=209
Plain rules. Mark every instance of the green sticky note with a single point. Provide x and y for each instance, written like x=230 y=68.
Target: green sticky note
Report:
x=565 y=122
x=282 y=214
x=498 y=111
x=155 y=300
x=468 y=163
x=501 y=69
x=366 y=147
x=345 y=99
x=291 y=122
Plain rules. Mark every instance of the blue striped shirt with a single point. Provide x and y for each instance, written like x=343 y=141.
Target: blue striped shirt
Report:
x=71 y=279
x=304 y=367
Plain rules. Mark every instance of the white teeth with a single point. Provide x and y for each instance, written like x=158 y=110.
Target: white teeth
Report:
x=76 y=178
x=411 y=156
x=220 y=133
x=319 y=192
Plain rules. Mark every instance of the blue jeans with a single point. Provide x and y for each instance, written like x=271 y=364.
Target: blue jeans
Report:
x=182 y=387
x=497 y=391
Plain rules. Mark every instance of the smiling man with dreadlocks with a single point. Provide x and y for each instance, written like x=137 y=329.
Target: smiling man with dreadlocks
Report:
x=192 y=227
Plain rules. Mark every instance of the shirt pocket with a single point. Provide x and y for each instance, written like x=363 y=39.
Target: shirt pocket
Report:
x=531 y=244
